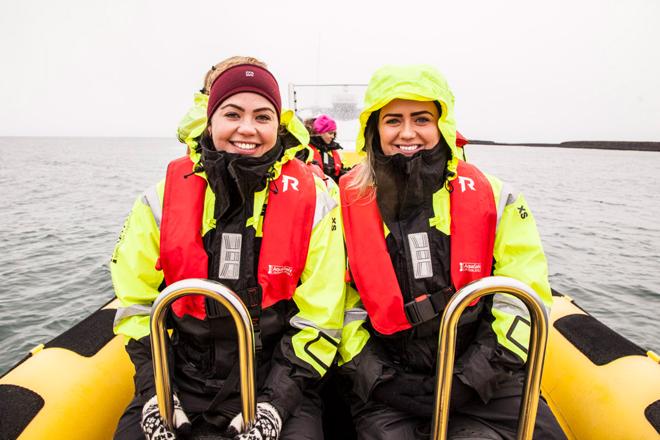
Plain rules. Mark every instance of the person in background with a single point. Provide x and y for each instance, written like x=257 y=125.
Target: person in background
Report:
x=326 y=150
x=239 y=209
x=419 y=225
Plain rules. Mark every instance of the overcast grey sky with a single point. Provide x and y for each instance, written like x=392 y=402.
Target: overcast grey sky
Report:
x=520 y=70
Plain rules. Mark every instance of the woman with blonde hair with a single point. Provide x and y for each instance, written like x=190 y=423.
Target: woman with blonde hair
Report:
x=419 y=225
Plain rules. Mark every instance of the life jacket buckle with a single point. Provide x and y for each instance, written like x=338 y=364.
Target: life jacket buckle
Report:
x=427 y=306
x=420 y=310
x=253 y=299
x=258 y=345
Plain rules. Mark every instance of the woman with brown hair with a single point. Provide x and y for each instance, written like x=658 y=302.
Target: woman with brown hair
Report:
x=323 y=132
x=241 y=210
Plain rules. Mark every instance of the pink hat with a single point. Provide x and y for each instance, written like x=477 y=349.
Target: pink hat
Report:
x=324 y=124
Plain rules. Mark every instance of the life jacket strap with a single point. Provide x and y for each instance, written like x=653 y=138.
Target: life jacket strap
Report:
x=426 y=307
x=251 y=297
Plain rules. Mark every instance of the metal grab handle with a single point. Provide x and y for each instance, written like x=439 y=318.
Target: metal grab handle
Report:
x=447 y=347
x=241 y=315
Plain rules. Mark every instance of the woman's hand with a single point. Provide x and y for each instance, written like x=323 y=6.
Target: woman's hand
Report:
x=153 y=425
x=267 y=425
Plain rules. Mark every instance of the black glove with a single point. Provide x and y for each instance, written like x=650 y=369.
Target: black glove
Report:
x=153 y=425
x=411 y=393
x=267 y=425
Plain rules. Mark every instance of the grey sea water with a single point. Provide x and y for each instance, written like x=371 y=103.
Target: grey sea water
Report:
x=64 y=200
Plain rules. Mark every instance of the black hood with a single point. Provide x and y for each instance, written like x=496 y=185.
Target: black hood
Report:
x=234 y=178
x=404 y=184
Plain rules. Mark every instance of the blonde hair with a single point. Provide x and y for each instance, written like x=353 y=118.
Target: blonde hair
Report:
x=225 y=64
x=365 y=175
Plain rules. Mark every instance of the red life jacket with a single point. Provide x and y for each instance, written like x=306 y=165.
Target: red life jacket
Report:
x=461 y=140
x=473 y=223
x=335 y=156
x=287 y=230
x=317 y=169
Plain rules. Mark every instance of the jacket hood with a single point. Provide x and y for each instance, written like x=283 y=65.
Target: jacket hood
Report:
x=193 y=124
x=415 y=82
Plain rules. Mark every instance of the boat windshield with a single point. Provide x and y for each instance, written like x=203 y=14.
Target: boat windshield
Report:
x=342 y=102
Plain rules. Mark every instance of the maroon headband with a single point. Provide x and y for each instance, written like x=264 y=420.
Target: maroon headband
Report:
x=244 y=78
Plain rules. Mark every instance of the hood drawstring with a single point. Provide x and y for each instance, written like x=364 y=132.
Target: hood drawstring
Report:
x=198 y=168
x=272 y=185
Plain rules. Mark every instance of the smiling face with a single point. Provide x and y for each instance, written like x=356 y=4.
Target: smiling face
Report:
x=406 y=127
x=245 y=123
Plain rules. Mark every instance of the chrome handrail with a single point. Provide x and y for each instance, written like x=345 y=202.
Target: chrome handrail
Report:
x=447 y=347
x=241 y=315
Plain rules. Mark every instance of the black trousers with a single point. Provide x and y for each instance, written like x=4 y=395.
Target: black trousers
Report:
x=495 y=420
x=304 y=424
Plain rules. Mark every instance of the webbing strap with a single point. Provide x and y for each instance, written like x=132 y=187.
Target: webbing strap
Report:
x=426 y=307
x=228 y=386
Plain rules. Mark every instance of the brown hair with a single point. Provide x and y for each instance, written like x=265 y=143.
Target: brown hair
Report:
x=309 y=125
x=225 y=64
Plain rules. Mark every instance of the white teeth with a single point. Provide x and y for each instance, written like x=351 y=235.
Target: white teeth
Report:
x=245 y=146
x=408 y=147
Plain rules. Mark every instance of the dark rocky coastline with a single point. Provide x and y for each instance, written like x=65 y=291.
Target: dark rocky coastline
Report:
x=597 y=145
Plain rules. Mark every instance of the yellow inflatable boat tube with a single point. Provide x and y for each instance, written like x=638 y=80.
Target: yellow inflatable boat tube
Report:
x=598 y=384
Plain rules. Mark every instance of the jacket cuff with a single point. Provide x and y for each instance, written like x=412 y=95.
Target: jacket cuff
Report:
x=281 y=391
x=140 y=353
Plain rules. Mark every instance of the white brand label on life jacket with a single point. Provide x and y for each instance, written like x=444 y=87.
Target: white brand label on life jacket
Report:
x=466 y=182
x=249 y=73
x=274 y=269
x=230 y=256
x=288 y=180
x=420 y=254
x=469 y=267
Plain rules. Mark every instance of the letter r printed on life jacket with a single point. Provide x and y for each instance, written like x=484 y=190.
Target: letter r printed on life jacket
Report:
x=466 y=182
x=289 y=180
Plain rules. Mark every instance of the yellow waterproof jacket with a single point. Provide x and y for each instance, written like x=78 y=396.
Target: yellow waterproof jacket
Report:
x=319 y=298
x=517 y=253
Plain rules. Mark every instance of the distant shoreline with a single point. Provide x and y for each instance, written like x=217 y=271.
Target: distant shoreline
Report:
x=594 y=145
